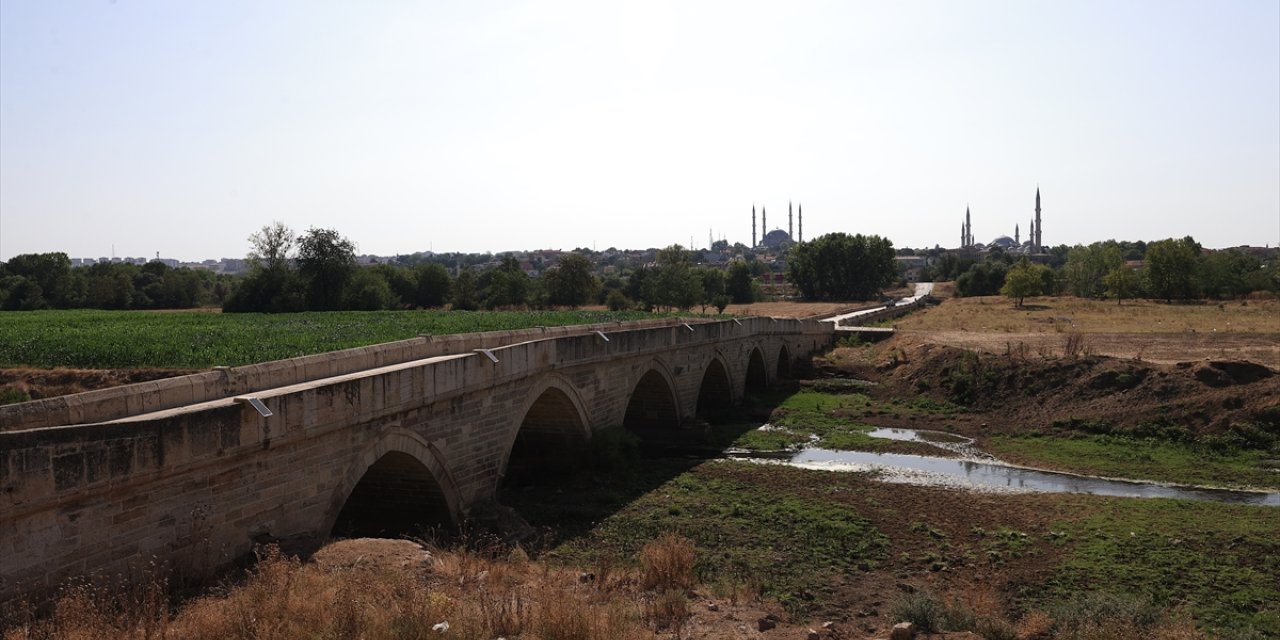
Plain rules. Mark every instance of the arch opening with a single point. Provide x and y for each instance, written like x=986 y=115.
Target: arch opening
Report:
x=396 y=496
x=550 y=441
x=757 y=381
x=652 y=407
x=784 y=363
x=715 y=394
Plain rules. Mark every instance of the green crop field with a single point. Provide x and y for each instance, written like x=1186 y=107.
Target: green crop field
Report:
x=195 y=340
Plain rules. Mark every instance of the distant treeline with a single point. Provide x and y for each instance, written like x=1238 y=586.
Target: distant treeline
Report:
x=47 y=281
x=1172 y=269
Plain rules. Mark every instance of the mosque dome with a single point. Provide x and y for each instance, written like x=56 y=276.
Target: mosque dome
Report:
x=1004 y=242
x=775 y=238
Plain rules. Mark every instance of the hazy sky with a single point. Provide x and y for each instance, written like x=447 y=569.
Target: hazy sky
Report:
x=183 y=127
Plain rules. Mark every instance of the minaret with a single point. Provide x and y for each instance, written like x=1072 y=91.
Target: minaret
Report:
x=1017 y=238
x=791 y=229
x=753 y=226
x=764 y=223
x=968 y=227
x=1037 y=239
x=800 y=210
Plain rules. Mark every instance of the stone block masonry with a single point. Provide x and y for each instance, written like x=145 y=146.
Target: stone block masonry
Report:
x=186 y=474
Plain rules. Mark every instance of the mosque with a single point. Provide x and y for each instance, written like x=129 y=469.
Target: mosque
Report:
x=776 y=239
x=1034 y=244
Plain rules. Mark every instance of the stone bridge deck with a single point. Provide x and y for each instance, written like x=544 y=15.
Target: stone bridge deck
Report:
x=191 y=472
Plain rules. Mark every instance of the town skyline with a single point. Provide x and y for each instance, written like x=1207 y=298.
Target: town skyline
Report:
x=183 y=129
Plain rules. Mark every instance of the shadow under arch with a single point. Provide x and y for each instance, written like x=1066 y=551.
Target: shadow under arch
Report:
x=398 y=486
x=552 y=435
x=715 y=392
x=784 y=363
x=757 y=380
x=652 y=407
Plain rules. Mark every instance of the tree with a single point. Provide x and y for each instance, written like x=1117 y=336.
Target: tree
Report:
x=1170 y=268
x=1087 y=266
x=571 y=282
x=270 y=247
x=507 y=285
x=466 y=295
x=432 y=285
x=713 y=282
x=837 y=266
x=272 y=286
x=326 y=262
x=1121 y=283
x=982 y=279
x=738 y=285
x=1020 y=281
x=367 y=290
x=48 y=277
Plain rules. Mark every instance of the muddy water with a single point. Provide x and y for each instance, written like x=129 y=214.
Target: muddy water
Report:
x=988 y=474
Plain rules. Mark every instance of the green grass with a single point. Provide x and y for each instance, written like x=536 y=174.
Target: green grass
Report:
x=136 y=339
x=1143 y=459
x=748 y=530
x=1221 y=560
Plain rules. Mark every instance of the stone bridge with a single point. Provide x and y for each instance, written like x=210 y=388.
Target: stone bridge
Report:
x=189 y=473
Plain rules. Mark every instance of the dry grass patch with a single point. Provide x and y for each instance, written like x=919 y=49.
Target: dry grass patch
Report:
x=376 y=589
x=1079 y=315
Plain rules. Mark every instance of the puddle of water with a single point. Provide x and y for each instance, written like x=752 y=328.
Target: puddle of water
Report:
x=912 y=469
x=942 y=440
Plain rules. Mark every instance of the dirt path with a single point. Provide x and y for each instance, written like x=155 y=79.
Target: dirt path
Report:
x=1160 y=348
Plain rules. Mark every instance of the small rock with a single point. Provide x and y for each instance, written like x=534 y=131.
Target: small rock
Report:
x=813 y=635
x=906 y=588
x=903 y=631
x=828 y=624
x=766 y=623
x=711 y=606
x=440 y=627
x=586 y=576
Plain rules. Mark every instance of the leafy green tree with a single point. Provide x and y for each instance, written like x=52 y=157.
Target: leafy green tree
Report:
x=1087 y=266
x=837 y=266
x=1123 y=282
x=1170 y=268
x=738 y=285
x=272 y=285
x=367 y=290
x=48 y=279
x=507 y=285
x=982 y=279
x=713 y=286
x=465 y=291
x=432 y=285
x=1020 y=281
x=571 y=282
x=327 y=263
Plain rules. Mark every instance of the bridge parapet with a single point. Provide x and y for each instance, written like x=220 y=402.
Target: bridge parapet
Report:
x=146 y=397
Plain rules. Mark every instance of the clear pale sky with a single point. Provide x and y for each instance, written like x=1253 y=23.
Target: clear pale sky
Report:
x=183 y=127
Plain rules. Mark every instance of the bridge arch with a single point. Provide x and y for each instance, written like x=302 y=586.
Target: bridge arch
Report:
x=784 y=363
x=552 y=429
x=397 y=484
x=653 y=404
x=715 y=391
x=757 y=379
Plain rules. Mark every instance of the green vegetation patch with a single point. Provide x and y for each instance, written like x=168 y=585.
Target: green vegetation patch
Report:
x=748 y=528
x=1223 y=561
x=1140 y=458
x=193 y=340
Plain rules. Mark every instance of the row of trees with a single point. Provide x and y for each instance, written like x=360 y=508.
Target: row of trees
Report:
x=838 y=266
x=317 y=272
x=48 y=281
x=1172 y=269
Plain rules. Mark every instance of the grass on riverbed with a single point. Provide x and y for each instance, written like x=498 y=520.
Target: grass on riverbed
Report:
x=1137 y=458
x=194 y=340
x=1221 y=561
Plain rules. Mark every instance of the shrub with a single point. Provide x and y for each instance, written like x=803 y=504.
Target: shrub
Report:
x=667 y=563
